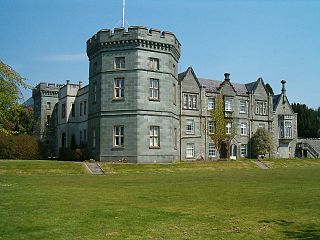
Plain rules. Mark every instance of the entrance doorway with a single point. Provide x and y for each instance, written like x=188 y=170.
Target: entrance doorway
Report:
x=233 y=151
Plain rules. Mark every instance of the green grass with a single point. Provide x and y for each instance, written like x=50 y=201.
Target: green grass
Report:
x=216 y=200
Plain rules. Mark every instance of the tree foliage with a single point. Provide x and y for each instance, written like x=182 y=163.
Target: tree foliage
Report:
x=261 y=142
x=308 y=120
x=14 y=119
x=220 y=137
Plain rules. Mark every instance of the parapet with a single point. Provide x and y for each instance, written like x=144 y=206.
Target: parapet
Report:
x=48 y=86
x=134 y=35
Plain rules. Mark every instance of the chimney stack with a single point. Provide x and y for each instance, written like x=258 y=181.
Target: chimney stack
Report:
x=283 y=90
x=80 y=84
x=68 y=82
x=227 y=77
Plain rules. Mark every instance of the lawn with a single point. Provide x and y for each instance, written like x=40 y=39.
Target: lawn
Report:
x=216 y=200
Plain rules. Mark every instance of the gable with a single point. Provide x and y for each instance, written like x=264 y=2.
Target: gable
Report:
x=189 y=82
x=283 y=106
x=260 y=91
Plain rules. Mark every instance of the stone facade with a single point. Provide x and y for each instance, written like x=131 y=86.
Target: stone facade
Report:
x=138 y=108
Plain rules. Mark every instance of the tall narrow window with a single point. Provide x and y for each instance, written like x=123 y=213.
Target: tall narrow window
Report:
x=81 y=105
x=211 y=127
x=85 y=135
x=229 y=128
x=190 y=150
x=93 y=137
x=73 y=110
x=118 y=136
x=154 y=137
x=48 y=105
x=244 y=128
x=119 y=63
x=189 y=126
x=211 y=103
x=154 y=64
x=94 y=92
x=287 y=129
x=63 y=110
x=228 y=104
x=175 y=138
x=243 y=106
x=243 y=150
x=118 y=88
x=85 y=107
x=174 y=94
x=154 y=89
x=212 y=150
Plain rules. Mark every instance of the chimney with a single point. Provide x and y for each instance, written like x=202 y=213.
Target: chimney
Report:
x=283 y=90
x=80 y=84
x=227 y=77
x=68 y=82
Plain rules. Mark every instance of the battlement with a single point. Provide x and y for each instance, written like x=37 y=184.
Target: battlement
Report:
x=48 y=86
x=134 y=35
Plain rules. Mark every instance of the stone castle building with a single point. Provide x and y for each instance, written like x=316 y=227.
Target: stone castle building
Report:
x=137 y=107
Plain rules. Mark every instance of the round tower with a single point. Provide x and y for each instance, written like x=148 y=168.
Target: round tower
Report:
x=134 y=95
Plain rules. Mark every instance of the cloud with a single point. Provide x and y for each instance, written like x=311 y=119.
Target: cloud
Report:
x=77 y=57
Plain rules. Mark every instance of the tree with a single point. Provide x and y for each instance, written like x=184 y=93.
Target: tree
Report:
x=220 y=137
x=261 y=142
x=269 y=89
x=12 y=116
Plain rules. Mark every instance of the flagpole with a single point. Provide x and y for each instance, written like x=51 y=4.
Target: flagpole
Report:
x=123 y=8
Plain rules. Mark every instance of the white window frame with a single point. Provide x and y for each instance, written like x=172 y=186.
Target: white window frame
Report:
x=228 y=104
x=189 y=126
x=211 y=127
x=118 y=88
x=287 y=129
x=229 y=128
x=261 y=108
x=190 y=150
x=190 y=101
x=118 y=136
x=244 y=150
x=120 y=63
x=211 y=103
x=154 y=135
x=154 y=89
x=244 y=128
x=212 y=150
x=243 y=105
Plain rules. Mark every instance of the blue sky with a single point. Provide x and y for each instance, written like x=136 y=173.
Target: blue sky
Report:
x=45 y=40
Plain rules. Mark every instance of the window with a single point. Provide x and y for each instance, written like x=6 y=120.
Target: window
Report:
x=94 y=92
x=154 y=89
x=118 y=136
x=229 y=128
x=73 y=110
x=243 y=150
x=63 y=110
x=175 y=144
x=261 y=108
x=93 y=137
x=189 y=126
x=48 y=105
x=243 y=106
x=286 y=129
x=212 y=150
x=154 y=64
x=63 y=140
x=154 y=137
x=174 y=89
x=190 y=150
x=95 y=68
x=48 y=120
x=118 y=88
x=81 y=140
x=119 y=63
x=85 y=108
x=211 y=127
x=244 y=128
x=228 y=104
x=211 y=103
x=84 y=135
x=81 y=108
x=189 y=101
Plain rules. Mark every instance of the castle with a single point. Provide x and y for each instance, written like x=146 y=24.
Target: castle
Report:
x=139 y=108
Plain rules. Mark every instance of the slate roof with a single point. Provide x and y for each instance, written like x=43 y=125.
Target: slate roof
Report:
x=213 y=85
x=275 y=101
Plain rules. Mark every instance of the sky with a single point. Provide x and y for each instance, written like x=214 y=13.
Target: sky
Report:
x=45 y=40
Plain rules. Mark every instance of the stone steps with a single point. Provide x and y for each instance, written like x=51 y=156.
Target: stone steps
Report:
x=94 y=168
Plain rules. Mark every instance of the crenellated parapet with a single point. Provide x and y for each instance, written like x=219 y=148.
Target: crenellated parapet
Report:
x=47 y=89
x=134 y=37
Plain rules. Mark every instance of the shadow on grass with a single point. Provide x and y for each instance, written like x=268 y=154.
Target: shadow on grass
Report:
x=293 y=230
